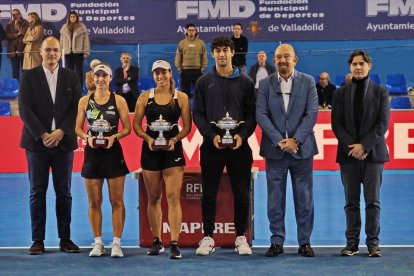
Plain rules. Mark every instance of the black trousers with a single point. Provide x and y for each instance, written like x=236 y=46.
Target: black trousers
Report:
x=17 y=65
x=369 y=174
x=130 y=100
x=75 y=63
x=188 y=80
x=238 y=164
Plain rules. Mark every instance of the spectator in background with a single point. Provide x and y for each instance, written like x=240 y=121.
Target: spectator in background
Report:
x=261 y=69
x=126 y=80
x=190 y=59
x=74 y=39
x=15 y=31
x=325 y=91
x=33 y=40
x=241 y=45
x=89 y=77
x=348 y=78
x=2 y=37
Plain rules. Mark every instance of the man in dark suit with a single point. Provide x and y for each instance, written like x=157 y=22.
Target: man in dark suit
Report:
x=360 y=117
x=286 y=111
x=126 y=80
x=48 y=99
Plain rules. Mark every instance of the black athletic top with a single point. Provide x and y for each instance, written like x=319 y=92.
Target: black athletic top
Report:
x=107 y=111
x=170 y=113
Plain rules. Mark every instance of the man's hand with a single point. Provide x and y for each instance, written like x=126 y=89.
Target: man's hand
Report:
x=51 y=140
x=289 y=145
x=357 y=151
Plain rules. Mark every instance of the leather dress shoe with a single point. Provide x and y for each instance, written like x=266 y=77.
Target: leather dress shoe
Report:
x=274 y=250
x=68 y=246
x=306 y=250
x=37 y=248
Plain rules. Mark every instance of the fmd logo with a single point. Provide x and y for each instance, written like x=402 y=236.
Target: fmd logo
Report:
x=52 y=12
x=391 y=7
x=218 y=9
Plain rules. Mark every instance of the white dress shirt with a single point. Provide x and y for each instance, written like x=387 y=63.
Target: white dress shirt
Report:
x=286 y=88
x=51 y=78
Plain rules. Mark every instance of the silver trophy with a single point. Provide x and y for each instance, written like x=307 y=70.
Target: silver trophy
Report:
x=227 y=123
x=101 y=125
x=160 y=125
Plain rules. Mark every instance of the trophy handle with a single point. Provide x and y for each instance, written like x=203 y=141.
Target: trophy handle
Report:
x=241 y=122
x=212 y=122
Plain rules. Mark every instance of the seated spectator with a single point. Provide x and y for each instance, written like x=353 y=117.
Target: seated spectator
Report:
x=126 y=78
x=325 y=91
x=90 y=83
x=261 y=69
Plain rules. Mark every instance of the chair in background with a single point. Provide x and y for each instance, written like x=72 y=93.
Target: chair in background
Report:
x=396 y=84
x=5 y=109
x=339 y=80
x=400 y=102
x=375 y=78
x=9 y=88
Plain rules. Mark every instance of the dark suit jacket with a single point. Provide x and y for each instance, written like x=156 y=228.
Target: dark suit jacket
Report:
x=374 y=123
x=255 y=67
x=119 y=80
x=37 y=109
x=297 y=122
x=325 y=94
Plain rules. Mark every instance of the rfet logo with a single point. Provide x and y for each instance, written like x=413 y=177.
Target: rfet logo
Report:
x=219 y=9
x=391 y=7
x=193 y=188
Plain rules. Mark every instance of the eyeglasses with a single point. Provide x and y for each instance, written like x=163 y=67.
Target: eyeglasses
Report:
x=15 y=14
x=49 y=50
x=286 y=57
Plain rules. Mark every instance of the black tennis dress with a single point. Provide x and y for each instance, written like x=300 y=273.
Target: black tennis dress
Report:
x=161 y=159
x=102 y=162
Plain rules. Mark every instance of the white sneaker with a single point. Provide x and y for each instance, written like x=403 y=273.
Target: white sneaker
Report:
x=116 y=250
x=242 y=247
x=206 y=246
x=98 y=250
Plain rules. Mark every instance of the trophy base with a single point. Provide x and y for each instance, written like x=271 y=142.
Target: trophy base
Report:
x=227 y=143
x=100 y=143
x=160 y=145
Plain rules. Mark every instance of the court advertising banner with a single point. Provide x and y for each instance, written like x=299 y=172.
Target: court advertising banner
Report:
x=399 y=138
x=164 y=21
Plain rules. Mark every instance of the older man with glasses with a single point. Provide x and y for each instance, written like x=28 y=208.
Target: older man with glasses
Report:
x=15 y=31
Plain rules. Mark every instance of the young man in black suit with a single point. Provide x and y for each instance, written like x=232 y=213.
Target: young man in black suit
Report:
x=360 y=117
x=48 y=99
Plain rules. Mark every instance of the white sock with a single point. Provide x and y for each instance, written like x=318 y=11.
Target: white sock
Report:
x=117 y=240
x=98 y=240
